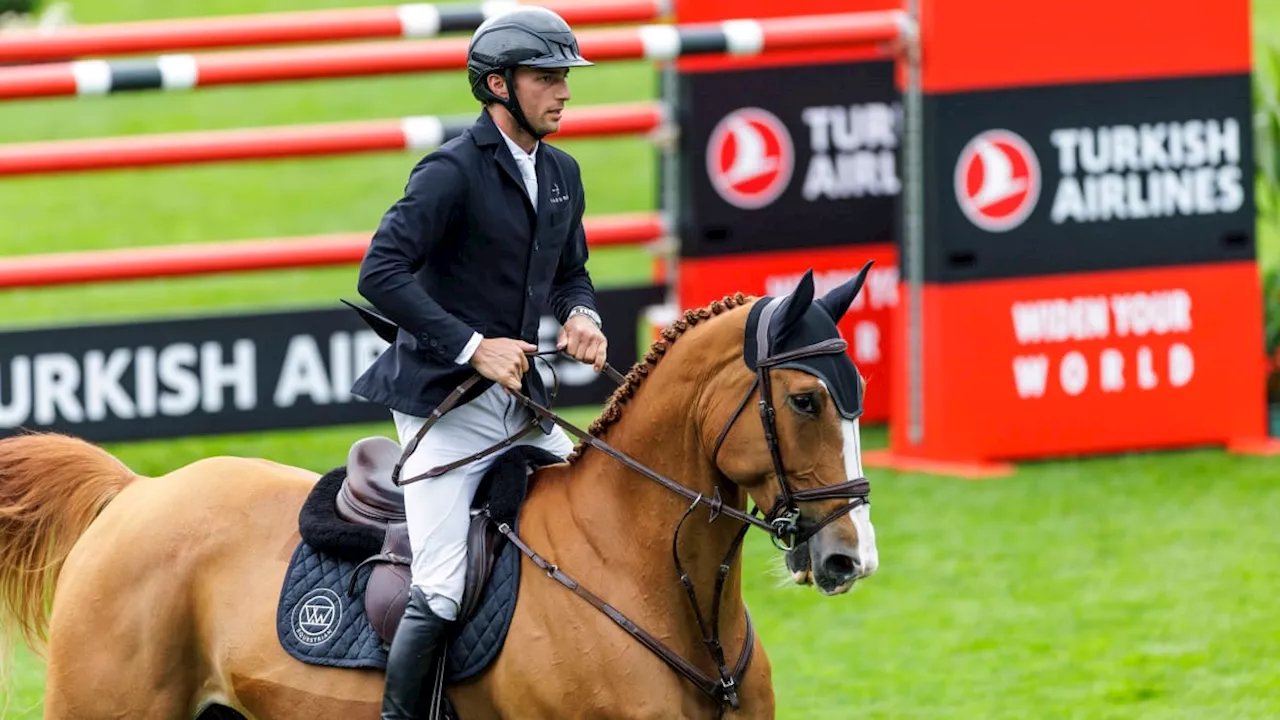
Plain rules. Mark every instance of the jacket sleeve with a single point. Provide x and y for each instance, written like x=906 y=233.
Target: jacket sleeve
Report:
x=572 y=285
x=409 y=231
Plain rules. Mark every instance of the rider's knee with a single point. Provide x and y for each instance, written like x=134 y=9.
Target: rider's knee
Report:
x=442 y=605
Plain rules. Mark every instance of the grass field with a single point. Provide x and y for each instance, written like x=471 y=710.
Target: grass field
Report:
x=1124 y=587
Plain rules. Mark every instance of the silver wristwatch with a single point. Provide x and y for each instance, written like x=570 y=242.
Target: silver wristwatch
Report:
x=584 y=310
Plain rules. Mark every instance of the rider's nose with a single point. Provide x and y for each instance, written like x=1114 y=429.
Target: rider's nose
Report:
x=841 y=567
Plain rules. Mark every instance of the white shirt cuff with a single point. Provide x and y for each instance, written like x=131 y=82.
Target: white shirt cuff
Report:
x=469 y=349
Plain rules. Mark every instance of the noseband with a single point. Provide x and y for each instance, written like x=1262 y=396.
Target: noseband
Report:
x=782 y=522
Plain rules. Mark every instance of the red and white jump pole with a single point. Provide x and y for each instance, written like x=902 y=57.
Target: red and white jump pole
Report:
x=648 y=42
x=343 y=138
x=416 y=20
x=252 y=255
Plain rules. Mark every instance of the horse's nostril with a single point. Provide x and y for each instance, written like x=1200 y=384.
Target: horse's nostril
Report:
x=842 y=566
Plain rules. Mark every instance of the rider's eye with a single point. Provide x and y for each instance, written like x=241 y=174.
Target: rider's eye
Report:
x=805 y=404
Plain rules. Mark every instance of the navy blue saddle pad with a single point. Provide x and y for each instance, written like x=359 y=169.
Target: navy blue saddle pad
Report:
x=319 y=624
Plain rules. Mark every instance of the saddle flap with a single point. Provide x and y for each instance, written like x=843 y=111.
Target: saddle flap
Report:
x=483 y=544
x=387 y=592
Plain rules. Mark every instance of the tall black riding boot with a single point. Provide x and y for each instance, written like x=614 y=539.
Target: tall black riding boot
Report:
x=410 y=659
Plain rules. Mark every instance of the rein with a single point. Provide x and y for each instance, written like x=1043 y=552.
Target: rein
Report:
x=782 y=522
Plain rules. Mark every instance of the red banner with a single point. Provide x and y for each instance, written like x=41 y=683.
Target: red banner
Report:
x=984 y=44
x=1098 y=362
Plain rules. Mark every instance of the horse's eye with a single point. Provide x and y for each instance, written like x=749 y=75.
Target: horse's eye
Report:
x=805 y=403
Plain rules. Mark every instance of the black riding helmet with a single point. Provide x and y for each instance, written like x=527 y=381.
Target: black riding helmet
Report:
x=529 y=36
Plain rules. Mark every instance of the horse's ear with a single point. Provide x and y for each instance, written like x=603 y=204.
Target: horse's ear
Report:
x=796 y=304
x=837 y=302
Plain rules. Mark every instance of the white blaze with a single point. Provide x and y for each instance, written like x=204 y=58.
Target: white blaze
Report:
x=868 y=554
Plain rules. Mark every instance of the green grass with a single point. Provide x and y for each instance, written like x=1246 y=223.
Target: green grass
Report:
x=1124 y=587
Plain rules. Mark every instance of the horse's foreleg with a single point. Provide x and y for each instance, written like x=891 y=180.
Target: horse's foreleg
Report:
x=756 y=693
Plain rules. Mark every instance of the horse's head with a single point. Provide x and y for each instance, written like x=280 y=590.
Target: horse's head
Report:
x=800 y=436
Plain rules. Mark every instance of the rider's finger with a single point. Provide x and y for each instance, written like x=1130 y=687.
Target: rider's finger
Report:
x=601 y=355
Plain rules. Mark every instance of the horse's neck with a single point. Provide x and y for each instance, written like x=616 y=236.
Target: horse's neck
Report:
x=629 y=520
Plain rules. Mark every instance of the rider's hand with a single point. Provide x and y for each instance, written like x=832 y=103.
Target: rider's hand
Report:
x=582 y=339
x=502 y=360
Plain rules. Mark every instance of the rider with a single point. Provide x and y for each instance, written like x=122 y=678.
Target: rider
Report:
x=486 y=239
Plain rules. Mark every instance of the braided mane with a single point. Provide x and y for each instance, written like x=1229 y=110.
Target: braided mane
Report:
x=639 y=371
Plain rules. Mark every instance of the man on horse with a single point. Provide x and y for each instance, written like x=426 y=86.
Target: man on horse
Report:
x=486 y=239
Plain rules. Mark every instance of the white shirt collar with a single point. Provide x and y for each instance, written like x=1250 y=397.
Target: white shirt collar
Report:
x=527 y=166
x=517 y=151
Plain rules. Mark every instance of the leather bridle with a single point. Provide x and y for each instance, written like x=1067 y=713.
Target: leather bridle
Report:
x=784 y=517
x=782 y=522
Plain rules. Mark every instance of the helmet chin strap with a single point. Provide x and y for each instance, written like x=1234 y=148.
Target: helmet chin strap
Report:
x=513 y=106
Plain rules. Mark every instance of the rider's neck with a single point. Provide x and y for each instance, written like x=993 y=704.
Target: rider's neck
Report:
x=509 y=127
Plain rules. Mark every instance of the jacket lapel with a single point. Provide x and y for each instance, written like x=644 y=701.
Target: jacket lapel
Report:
x=546 y=177
x=486 y=134
x=508 y=164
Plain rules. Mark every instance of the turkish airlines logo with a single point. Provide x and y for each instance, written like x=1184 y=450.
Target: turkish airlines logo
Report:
x=997 y=180
x=750 y=158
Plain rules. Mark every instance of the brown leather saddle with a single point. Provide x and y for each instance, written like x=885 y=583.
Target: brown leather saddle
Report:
x=368 y=497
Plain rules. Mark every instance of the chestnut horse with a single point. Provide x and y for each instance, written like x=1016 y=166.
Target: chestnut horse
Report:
x=166 y=587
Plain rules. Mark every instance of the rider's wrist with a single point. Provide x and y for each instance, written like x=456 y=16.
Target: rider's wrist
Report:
x=469 y=350
x=592 y=315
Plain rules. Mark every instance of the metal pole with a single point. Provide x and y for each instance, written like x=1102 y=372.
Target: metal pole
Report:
x=913 y=212
x=670 y=179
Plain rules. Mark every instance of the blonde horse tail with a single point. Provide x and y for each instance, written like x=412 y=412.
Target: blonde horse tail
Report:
x=51 y=488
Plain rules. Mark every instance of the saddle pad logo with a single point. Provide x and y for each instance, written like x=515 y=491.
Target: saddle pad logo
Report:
x=315 y=618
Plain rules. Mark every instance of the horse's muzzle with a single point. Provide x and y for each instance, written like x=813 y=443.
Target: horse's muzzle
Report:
x=799 y=565
x=836 y=572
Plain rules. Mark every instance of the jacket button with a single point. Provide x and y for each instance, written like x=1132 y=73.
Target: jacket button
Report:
x=530 y=292
x=537 y=245
x=434 y=343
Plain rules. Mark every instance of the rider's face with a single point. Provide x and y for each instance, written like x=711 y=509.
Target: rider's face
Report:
x=542 y=93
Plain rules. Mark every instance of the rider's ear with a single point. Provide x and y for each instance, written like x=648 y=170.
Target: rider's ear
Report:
x=837 y=302
x=497 y=84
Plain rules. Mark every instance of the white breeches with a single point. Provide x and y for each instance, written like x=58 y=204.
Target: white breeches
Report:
x=437 y=510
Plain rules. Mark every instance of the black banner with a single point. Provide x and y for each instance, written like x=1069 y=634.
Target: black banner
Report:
x=239 y=373
x=788 y=157
x=1077 y=178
